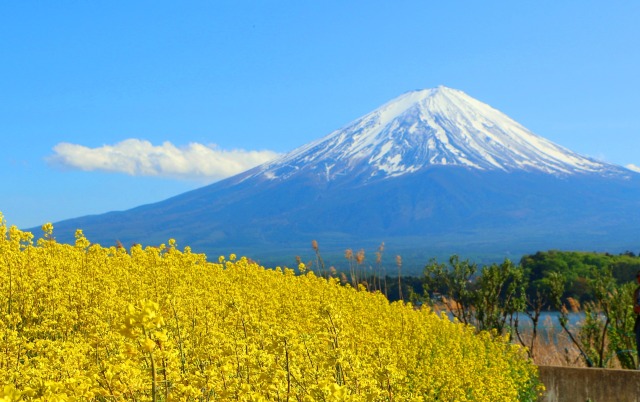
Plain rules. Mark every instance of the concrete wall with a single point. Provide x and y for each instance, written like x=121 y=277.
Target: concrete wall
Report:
x=589 y=384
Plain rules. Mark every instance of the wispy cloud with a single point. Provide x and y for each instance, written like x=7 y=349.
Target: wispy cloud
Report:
x=633 y=167
x=141 y=158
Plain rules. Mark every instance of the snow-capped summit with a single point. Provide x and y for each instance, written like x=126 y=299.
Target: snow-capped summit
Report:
x=425 y=128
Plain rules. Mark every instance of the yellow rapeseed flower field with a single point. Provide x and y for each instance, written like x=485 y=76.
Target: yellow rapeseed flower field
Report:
x=91 y=323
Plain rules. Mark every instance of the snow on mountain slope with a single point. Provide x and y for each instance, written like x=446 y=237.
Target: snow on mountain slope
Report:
x=430 y=127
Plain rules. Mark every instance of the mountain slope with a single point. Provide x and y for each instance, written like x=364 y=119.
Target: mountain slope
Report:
x=431 y=172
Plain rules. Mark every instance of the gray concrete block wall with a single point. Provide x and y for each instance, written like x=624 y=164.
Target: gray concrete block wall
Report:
x=571 y=384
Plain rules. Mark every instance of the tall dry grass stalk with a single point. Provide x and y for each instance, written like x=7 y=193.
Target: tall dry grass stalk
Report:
x=399 y=263
x=319 y=260
x=380 y=270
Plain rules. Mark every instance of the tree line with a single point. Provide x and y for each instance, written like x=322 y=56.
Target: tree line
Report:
x=496 y=297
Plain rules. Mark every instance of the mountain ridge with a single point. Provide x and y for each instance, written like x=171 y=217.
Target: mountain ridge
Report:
x=380 y=179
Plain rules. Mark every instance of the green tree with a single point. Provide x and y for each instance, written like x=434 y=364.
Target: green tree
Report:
x=622 y=341
x=500 y=295
x=453 y=282
x=538 y=296
x=488 y=301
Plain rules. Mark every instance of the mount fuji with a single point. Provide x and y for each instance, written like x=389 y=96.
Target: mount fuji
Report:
x=430 y=173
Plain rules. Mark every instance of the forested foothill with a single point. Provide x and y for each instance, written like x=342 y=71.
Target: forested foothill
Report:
x=578 y=267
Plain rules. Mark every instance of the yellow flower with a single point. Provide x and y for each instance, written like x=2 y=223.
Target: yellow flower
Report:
x=47 y=229
x=125 y=324
x=148 y=345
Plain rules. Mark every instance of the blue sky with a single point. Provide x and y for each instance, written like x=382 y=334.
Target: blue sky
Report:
x=107 y=105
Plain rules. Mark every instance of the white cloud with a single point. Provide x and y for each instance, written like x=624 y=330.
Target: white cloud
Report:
x=141 y=158
x=633 y=167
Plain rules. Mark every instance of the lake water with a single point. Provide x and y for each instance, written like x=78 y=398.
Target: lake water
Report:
x=549 y=318
x=549 y=328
